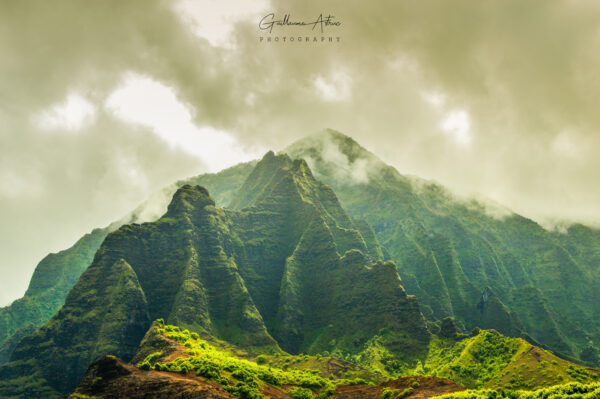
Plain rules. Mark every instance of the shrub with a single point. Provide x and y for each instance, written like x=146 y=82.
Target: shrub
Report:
x=261 y=359
x=301 y=393
x=388 y=393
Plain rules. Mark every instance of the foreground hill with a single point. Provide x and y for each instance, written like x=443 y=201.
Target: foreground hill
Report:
x=290 y=270
x=172 y=362
x=175 y=362
x=492 y=360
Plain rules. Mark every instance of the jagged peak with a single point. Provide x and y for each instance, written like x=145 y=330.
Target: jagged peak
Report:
x=269 y=171
x=346 y=145
x=270 y=157
x=300 y=166
x=189 y=198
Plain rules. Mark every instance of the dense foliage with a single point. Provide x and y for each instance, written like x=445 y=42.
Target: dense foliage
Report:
x=241 y=377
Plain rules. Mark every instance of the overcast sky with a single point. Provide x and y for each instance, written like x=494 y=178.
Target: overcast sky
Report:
x=104 y=102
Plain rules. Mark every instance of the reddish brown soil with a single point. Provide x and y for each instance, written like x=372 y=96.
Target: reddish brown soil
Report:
x=110 y=378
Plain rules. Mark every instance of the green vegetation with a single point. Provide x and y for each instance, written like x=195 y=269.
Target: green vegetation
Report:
x=241 y=377
x=301 y=393
x=389 y=393
x=492 y=360
x=572 y=390
x=54 y=276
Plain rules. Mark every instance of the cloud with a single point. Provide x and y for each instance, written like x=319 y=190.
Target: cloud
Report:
x=336 y=88
x=14 y=185
x=523 y=73
x=214 y=20
x=70 y=115
x=147 y=102
x=457 y=124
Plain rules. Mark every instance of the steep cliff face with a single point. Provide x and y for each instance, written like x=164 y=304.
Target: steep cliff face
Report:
x=289 y=269
x=448 y=251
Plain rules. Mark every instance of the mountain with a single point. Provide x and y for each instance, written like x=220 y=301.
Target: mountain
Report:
x=311 y=254
x=56 y=274
x=288 y=270
x=479 y=263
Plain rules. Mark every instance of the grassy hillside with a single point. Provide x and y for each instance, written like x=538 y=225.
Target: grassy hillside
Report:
x=488 y=361
x=492 y=360
x=172 y=362
x=246 y=376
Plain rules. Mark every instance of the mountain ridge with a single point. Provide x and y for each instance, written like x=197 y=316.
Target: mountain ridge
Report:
x=468 y=249
x=238 y=275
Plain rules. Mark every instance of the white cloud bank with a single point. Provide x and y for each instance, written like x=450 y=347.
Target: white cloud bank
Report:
x=144 y=101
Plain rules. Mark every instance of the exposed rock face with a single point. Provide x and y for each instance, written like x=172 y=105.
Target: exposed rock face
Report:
x=288 y=270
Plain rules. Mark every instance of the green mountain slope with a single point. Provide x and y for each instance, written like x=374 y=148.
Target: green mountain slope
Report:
x=482 y=264
x=56 y=274
x=288 y=270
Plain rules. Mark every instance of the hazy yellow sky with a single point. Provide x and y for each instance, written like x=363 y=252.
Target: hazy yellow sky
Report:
x=104 y=102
